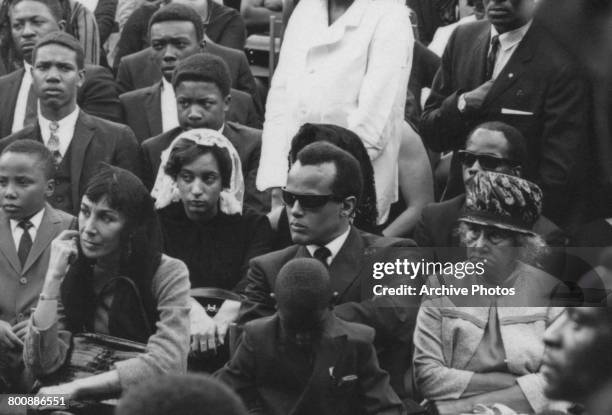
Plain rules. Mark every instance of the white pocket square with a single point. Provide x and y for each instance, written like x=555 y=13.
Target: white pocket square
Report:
x=515 y=112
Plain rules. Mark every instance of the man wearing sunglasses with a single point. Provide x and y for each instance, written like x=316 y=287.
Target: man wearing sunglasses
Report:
x=508 y=68
x=492 y=146
x=323 y=187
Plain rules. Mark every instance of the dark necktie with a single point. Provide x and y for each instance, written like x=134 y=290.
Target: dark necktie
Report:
x=25 y=243
x=31 y=108
x=492 y=57
x=322 y=253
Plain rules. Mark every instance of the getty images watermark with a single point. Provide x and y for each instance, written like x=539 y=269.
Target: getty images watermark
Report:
x=407 y=269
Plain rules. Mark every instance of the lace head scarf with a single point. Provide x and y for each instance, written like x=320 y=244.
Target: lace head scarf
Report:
x=165 y=190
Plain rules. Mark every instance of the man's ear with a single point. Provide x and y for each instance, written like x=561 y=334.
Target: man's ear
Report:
x=226 y=102
x=81 y=77
x=49 y=188
x=349 y=206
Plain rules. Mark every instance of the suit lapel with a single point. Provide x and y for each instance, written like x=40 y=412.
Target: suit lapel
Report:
x=153 y=108
x=345 y=267
x=83 y=133
x=9 y=101
x=514 y=69
x=328 y=359
x=7 y=245
x=44 y=236
x=481 y=51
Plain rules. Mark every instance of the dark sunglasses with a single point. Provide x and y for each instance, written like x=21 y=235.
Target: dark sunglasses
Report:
x=307 y=201
x=487 y=162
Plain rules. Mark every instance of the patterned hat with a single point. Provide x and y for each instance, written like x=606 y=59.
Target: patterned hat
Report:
x=503 y=201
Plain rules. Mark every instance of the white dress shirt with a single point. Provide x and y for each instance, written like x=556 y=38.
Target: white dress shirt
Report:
x=168 y=106
x=18 y=231
x=65 y=132
x=333 y=246
x=353 y=73
x=508 y=42
x=22 y=99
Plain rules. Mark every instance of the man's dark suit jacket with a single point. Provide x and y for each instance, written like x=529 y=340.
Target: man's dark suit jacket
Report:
x=351 y=272
x=274 y=377
x=541 y=83
x=98 y=96
x=141 y=69
x=142 y=110
x=95 y=140
x=247 y=142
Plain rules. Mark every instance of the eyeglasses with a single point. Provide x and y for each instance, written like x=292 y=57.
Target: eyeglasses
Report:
x=487 y=162
x=492 y=234
x=307 y=201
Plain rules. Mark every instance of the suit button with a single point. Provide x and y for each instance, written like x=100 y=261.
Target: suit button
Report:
x=23 y=280
x=20 y=316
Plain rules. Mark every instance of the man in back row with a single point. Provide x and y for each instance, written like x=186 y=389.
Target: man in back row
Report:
x=78 y=141
x=30 y=21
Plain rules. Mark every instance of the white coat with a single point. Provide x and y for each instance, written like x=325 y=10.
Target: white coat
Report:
x=354 y=74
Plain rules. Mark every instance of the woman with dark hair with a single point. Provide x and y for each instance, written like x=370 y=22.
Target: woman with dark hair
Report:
x=110 y=277
x=199 y=191
x=366 y=211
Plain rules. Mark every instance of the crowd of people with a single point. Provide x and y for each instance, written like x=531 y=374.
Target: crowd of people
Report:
x=252 y=236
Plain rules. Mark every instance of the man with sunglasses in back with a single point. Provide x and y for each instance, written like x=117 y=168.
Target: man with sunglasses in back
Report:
x=323 y=187
x=492 y=146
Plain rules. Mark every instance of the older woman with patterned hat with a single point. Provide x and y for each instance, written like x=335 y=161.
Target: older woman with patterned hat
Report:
x=486 y=347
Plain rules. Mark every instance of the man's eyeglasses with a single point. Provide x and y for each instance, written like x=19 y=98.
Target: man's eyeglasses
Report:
x=487 y=162
x=307 y=201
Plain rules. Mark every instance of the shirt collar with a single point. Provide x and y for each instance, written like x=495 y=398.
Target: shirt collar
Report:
x=68 y=121
x=510 y=39
x=34 y=220
x=27 y=67
x=167 y=86
x=334 y=245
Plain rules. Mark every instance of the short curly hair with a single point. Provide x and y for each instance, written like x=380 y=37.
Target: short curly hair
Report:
x=203 y=67
x=181 y=13
x=186 y=151
x=348 y=180
x=62 y=39
x=54 y=7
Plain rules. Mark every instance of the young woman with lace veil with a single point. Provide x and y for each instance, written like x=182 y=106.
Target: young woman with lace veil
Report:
x=199 y=191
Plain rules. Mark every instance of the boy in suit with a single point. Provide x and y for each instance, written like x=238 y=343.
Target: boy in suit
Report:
x=27 y=226
x=304 y=359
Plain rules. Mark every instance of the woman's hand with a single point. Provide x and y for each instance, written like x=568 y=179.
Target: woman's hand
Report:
x=204 y=336
x=70 y=390
x=63 y=250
